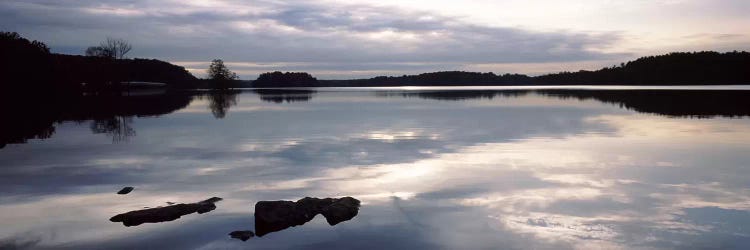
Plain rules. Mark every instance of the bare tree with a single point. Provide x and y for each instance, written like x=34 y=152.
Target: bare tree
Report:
x=110 y=48
x=119 y=47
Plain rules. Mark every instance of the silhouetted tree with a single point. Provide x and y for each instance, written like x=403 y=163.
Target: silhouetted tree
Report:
x=111 y=48
x=119 y=46
x=220 y=75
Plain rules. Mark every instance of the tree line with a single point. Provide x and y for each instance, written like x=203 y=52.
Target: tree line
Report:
x=682 y=68
x=443 y=78
x=690 y=68
x=30 y=65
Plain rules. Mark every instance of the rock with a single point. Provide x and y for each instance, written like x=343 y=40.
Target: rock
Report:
x=343 y=209
x=162 y=214
x=212 y=200
x=125 y=190
x=273 y=216
x=242 y=235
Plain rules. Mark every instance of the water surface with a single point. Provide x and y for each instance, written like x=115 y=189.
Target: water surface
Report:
x=433 y=168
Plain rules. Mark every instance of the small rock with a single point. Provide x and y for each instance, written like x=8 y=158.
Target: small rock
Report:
x=242 y=235
x=125 y=190
x=162 y=214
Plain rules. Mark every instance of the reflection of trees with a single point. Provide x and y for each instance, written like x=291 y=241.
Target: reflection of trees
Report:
x=455 y=95
x=118 y=127
x=26 y=121
x=683 y=103
x=111 y=114
x=284 y=95
x=219 y=102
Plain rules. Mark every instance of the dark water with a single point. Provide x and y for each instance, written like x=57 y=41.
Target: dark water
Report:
x=433 y=168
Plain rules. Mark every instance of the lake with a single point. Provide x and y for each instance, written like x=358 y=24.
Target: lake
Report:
x=468 y=168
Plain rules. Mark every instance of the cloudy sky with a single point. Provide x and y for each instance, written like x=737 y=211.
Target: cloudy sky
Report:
x=363 y=38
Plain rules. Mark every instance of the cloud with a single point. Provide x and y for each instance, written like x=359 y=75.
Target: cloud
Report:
x=24 y=241
x=340 y=37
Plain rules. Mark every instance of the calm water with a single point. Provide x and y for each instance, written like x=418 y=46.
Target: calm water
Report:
x=465 y=169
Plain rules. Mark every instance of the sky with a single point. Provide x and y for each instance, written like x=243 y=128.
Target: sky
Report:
x=364 y=38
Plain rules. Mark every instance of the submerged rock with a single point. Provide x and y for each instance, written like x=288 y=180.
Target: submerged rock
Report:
x=242 y=235
x=273 y=216
x=162 y=214
x=125 y=190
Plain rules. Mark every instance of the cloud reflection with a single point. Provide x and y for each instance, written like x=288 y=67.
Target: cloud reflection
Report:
x=520 y=172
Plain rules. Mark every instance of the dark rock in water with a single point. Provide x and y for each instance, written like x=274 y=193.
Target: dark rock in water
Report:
x=125 y=190
x=242 y=235
x=162 y=214
x=342 y=210
x=273 y=216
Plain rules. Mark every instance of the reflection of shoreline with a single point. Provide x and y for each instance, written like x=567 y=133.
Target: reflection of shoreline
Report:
x=219 y=101
x=676 y=103
x=582 y=173
x=284 y=95
x=110 y=114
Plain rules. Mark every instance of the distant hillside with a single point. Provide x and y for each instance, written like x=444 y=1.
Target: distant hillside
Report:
x=24 y=64
x=696 y=68
x=445 y=78
x=29 y=66
x=93 y=70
